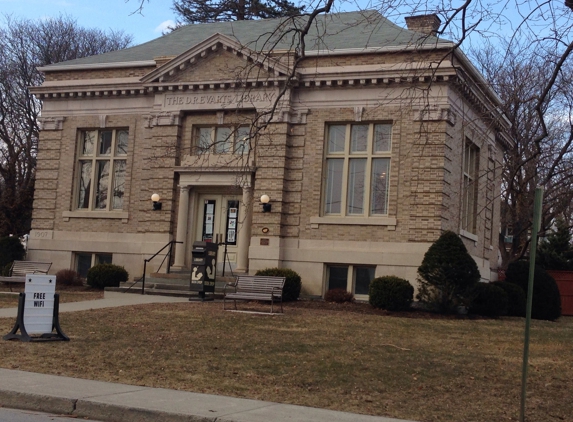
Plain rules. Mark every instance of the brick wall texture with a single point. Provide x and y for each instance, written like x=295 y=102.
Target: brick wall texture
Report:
x=289 y=156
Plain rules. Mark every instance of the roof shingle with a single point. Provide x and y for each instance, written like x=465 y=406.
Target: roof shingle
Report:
x=349 y=30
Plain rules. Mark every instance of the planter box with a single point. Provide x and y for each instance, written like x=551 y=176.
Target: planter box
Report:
x=564 y=281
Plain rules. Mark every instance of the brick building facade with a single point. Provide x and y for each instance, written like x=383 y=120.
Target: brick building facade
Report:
x=379 y=140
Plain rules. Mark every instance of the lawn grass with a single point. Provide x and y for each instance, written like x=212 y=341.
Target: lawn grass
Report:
x=73 y=294
x=353 y=360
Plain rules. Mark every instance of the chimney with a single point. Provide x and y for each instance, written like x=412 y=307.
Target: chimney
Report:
x=425 y=24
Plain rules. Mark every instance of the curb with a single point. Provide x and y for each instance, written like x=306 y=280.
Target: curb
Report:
x=115 y=413
x=92 y=410
x=37 y=402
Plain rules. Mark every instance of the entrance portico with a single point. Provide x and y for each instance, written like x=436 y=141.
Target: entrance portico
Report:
x=206 y=213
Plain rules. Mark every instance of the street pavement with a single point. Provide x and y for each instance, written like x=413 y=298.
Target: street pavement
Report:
x=113 y=402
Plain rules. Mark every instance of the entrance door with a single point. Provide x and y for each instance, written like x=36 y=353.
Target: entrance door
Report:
x=218 y=222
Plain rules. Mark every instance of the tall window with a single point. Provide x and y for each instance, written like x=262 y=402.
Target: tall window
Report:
x=357 y=169
x=101 y=169
x=223 y=140
x=469 y=194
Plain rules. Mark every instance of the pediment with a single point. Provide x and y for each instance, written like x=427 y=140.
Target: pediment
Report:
x=218 y=58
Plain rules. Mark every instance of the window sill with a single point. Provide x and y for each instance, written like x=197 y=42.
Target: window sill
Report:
x=118 y=215
x=469 y=235
x=363 y=221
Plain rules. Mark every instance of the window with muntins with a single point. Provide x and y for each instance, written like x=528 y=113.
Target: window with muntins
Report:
x=357 y=169
x=470 y=187
x=352 y=278
x=102 y=163
x=223 y=140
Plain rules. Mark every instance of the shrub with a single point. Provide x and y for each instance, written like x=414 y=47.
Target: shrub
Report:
x=488 y=300
x=546 y=298
x=447 y=274
x=106 y=275
x=338 y=296
x=516 y=301
x=291 y=290
x=391 y=293
x=10 y=250
x=5 y=270
x=68 y=278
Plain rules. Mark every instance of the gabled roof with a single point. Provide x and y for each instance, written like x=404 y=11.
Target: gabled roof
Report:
x=340 y=31
x=215 y=42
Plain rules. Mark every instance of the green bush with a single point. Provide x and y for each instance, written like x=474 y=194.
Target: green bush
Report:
x=555 y=252
x=291 y=290
x=106 y=275
x=68 y=278
x=391 y=293
x=488 y=300
x=11 y=249
x=338 y=296
x=447 y=274
x=546 y=298
x=516 y=301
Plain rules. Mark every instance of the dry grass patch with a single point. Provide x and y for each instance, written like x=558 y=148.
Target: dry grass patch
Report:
x=67 y=294
x=314 y=355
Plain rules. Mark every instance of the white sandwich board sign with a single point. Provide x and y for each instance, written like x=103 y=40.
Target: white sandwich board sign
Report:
x=38 y=311
x=39 y=304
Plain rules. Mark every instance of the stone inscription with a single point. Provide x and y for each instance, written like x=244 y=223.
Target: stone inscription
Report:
x=235 y=100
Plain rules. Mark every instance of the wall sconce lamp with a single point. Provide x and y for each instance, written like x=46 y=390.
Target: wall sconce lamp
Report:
x=265 y=201
x=156 y=204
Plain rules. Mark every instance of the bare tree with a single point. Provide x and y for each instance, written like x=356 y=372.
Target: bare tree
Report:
x=518 y=74
x=25 y=45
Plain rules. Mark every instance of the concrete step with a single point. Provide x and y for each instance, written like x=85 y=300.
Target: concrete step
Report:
x=167 y=287
x=163 y=292
x=176 y=284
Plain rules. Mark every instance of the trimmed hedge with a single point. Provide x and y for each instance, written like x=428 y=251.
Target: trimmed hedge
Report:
x=488 y=300
x=516 y=301
x=391 y=293
x=447 y=274
x=293 y=285
x=546 y=298
x=106 y=275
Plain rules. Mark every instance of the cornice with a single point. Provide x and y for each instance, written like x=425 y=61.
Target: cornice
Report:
x=96 y=66
x=87 y=89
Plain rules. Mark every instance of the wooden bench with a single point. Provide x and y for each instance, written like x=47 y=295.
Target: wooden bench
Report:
x=253 y=287
x=19 y=270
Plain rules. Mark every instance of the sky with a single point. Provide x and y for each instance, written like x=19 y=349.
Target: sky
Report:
x=157 y=15
x=102 y=14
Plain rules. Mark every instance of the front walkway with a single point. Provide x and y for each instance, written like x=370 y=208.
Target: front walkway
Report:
x=110 y=300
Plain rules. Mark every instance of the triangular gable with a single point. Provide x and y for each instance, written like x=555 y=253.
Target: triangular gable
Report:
x=204 y=51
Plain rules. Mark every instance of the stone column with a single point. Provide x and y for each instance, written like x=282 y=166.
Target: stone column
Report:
x=244 y=240
x=182 y=218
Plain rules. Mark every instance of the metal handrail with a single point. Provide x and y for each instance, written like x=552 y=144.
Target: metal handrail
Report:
x=146 y=260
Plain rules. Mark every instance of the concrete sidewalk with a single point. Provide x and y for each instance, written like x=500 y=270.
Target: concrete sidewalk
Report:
x=110 y=300
x=128 y=403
